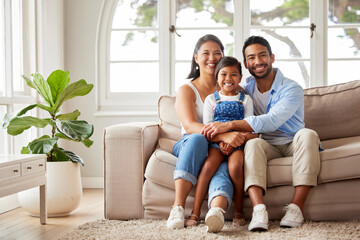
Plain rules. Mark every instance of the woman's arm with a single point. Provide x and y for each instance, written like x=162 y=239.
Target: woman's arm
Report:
x=186 y=111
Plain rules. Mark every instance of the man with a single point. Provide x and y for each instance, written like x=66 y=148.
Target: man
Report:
x=279 y=119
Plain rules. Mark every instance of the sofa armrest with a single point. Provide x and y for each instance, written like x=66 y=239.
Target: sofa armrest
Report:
x=127 y=148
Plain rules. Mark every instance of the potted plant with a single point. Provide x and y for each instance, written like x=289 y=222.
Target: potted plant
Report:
x=64 y=190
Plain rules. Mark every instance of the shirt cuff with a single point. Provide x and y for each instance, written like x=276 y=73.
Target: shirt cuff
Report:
x=255 y=123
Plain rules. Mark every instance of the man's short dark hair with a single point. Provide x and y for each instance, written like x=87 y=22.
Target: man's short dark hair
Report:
x=256 y=39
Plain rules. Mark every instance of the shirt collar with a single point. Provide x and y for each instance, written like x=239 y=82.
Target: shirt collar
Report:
x=278 y=81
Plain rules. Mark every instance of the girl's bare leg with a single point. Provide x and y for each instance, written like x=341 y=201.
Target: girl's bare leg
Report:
x=236 y=171
x=207 y=172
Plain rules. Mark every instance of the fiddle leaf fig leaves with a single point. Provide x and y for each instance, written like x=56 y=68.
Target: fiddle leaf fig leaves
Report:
x=54 y=91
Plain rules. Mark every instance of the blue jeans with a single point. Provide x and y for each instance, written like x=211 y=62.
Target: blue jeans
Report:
x=192 y=151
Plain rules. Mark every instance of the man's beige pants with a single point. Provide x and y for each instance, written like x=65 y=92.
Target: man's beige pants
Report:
x=306 y=159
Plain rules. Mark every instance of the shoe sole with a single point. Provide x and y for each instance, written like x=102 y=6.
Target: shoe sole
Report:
x=258 y=227
x=214 y=224
x=288 y=224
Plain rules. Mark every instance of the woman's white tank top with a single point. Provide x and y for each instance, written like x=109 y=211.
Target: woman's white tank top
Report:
x=199 y=106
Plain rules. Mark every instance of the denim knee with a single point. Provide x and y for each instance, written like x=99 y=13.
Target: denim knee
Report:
x=221 y=185
x=191 y=151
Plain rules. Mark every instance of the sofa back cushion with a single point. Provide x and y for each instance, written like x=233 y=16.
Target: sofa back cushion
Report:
x=170 y=127
x=333 y=111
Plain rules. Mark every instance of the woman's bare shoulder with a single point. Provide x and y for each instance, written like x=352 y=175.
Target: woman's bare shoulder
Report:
x=185 y=90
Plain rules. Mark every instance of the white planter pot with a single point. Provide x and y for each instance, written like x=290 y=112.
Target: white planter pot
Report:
x=63 y=190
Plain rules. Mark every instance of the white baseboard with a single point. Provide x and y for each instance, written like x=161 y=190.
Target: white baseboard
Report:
x=92 y=182
x=8 y=203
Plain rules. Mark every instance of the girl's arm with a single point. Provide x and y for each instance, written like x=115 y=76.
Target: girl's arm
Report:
x=208 y=111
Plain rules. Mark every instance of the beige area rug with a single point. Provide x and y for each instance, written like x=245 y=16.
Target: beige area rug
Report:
x=156 y=229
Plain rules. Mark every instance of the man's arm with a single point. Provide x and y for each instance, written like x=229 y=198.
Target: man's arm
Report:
x=289 y=101
x=282 y=111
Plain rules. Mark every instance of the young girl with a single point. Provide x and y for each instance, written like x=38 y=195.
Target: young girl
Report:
x=228 y=104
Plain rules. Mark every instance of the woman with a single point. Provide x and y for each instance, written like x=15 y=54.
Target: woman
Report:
x=192 y=149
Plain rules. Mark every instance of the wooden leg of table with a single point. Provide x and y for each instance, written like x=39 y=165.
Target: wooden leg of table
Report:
x=43 y=210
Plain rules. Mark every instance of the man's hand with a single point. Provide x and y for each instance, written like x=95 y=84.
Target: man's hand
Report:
x=225 y=148
x=210 y=130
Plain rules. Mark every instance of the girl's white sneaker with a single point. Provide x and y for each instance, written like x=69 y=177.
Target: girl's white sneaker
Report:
x=214 y=219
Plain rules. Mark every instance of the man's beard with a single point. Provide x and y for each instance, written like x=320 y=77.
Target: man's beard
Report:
x=263 y=76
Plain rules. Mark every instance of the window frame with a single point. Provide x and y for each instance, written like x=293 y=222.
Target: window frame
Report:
x=123 y=104
x=26 y=60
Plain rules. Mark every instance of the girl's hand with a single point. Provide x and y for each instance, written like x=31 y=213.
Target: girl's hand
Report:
x=225 y=149
x=234 y=139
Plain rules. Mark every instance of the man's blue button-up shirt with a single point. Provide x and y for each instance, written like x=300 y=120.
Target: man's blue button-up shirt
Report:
x=284 y=109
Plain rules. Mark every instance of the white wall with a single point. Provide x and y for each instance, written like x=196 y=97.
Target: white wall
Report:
x=80 y=26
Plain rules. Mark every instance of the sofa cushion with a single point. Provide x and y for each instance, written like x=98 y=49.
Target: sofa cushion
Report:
x=160 y=168
x=339 y=161
x=170 y=127
x=333 y=111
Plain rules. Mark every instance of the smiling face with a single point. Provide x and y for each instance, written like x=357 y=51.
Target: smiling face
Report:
x=258 y=60
x=208 y=55
x=228 y=79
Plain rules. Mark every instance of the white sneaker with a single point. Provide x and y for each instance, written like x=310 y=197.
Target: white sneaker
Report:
x=260 y=219
x=293 y=216
x=214 y=219
x=176 y=218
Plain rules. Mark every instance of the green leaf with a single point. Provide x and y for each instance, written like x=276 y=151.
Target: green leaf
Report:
x=43 y=88
x=42 y=145
x=87 y=142
x=72 y=156
x=57 y=81
x=69 y=116
x=7 y=119
x=18 y=124
x=25 y=150
x=25 y=110
x=29 y=82
x=76 y=130
x=58 y=156
x=78 y=88
x=62 y=136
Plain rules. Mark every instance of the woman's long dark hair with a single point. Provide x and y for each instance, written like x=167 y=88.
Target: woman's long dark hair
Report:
x=195 y=73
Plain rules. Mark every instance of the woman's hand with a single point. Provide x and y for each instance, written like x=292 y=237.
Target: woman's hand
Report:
x=212 y=129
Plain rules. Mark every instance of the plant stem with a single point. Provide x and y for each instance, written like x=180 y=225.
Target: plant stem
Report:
x=52 y=135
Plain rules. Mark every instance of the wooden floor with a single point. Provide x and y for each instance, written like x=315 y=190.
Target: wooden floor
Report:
x=18 y=224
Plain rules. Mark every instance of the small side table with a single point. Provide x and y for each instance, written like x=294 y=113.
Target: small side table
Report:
x=19 y=172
